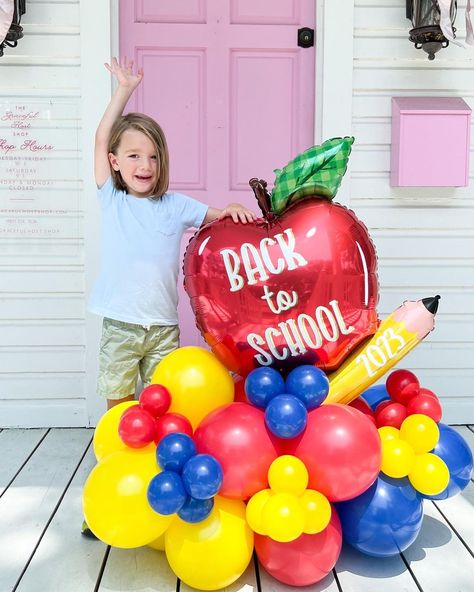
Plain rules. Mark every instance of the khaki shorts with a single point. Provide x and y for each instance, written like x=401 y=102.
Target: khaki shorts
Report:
x=128 y=350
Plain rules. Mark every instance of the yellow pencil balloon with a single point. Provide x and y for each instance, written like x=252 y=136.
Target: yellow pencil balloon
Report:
x=409 y=324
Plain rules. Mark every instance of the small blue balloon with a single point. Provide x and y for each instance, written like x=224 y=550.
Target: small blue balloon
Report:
x=196 y=510
x=262 y=384
x=455 y=452
x=202 y=476
x=166 y=493
x=309 y=384
x=174 y=450
x=286 y=416
x=375 y=395
x=384 y=520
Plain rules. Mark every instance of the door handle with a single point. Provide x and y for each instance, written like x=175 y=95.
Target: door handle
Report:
x=305 y=37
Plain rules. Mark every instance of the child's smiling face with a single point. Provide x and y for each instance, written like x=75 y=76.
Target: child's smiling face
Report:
x=137 y=161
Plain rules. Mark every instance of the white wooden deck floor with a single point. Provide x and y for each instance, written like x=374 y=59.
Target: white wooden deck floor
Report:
x=41 y=550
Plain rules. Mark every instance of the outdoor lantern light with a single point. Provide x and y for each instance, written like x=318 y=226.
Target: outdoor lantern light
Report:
x=10 y=18
x=431 y=19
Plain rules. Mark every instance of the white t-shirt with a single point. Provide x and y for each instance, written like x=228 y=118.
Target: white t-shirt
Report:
x=141 y=237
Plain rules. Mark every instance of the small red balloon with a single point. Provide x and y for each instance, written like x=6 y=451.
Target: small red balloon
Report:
x=304 y=561
x=171 y=423
x=363 y=407
x=137 y=427
x=156 y=399
x=428 y=393
x=402 y=385
x=392 y=414
x=426 y=405
x=237 y=437
x=239 y=390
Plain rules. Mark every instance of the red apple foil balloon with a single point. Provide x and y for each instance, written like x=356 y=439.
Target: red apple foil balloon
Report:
x=298 y=288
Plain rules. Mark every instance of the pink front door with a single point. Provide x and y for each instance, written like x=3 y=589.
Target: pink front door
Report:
x=231 y=88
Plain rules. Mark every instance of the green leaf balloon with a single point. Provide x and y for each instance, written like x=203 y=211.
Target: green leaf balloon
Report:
x=316 y=171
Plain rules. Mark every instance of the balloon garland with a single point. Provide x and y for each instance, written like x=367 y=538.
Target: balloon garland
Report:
x=299 y=449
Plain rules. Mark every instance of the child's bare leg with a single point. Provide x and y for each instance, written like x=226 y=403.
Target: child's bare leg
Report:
x=112 y=402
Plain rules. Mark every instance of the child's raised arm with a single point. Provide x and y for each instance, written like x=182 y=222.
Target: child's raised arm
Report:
x=127 y=83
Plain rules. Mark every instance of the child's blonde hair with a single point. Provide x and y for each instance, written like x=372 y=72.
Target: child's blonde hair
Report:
x=149 y=127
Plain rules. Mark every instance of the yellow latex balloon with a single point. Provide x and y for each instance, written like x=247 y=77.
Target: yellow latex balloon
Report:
x=429 y=475
x=159 y=543
x=283 y=518
x=388 y=433
x=420 y=431
x=211 y=554
x=288 y=474
x=115 y=500
x=254 y=510
x=197 y=381
x=317 y=511
x=106 y=437
x=398 y=458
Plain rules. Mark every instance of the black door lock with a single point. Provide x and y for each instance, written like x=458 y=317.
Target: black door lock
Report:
x=305 y=37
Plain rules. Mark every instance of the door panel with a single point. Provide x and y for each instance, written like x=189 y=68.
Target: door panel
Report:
x=231 y=89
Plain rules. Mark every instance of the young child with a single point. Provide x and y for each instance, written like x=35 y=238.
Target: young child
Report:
x=142 y=225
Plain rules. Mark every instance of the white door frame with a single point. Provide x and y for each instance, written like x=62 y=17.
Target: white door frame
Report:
x=333 y=78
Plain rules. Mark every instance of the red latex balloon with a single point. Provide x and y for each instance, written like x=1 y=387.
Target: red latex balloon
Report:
x=426 y=405
x=304 y=561
x=137 y=427
x=341 y=450
x=392 y=414
x=170 y=423
x=300 y=289
x=427 y=392
x=156 y=399
x=236 y=436
x=402 y=385
x=239 y=392
x=363 y=407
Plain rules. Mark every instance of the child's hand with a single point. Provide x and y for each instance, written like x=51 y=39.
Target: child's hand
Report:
x=238 y=213
x=124 y=73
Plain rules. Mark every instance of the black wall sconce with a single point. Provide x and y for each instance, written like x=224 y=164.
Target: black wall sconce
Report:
x=15 y=32
x=428 y=20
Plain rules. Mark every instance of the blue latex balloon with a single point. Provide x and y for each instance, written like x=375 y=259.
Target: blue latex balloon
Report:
x=174 y=450
x=262 y=384
x=309 y=384
x=202 y=476
x=375 y=395
x=166 y=493
x=286 y=416
x=455 y=452
x=196 y=510
x=384 y=520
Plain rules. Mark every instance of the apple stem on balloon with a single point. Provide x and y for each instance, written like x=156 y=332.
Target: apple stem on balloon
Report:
x=259 y=187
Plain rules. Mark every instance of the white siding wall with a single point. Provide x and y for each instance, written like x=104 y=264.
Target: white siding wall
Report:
x=42 y=336
x=424 y=236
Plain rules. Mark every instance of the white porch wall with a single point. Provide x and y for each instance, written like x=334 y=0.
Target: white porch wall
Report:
x=424 y=237
x=42 y=337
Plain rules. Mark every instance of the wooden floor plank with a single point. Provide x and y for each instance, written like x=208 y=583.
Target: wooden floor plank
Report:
x=137 y=570
x=269 y=584
x=438 y=559
x=79 y=559
x=360 y=573
x=15 y=447
x=459 y=510
x=28 y=503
